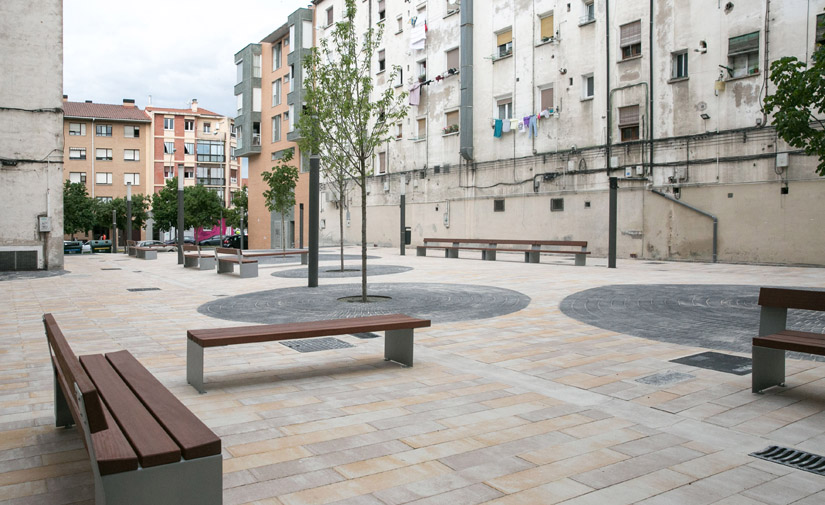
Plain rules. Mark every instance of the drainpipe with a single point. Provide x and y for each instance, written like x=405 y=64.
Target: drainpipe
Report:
x=465 y=130
x=93 y=156
x=691 y=207
x=650 y=78
x=607 y=82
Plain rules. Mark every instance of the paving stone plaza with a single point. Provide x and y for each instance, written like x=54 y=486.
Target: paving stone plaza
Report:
x=536 y=383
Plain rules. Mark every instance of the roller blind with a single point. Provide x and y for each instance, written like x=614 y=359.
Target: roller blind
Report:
x=743 y=44
x=547 y=26
x=631 y=33
x=629 y=115
x=547 y=98
x=503 y=38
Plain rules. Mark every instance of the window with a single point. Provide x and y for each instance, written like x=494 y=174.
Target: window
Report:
x=133 y=179
x=276 y=128
x=629 y=122
x=104 y=199
x=504 y=43
x=546 y=27
x=77 y=129
x=188 y=148
x=207 y=127
x=743 y=55
x=680 y=65
x=400 y=27
x=189 y=172
x=131 y=155
x=168 y=172
x=382 y=11
x=820 y=31
x=103 y=178
x=168 y=123
x=382 y=163
x=631 y=39
x=451 y=122
x=307 y=33
x=291 y=118
x=189 y=125
x=256 y=65
x=399 y=130
x=211 y=151
x=452 y=60
x=286 y=77
x=168 y=148
x=256 y=99
x=77 y=153
x=546 y=97
x=291 y=37
x=103 y=130
x=239 y=71
x=382 y=62
x=130 y=131
x=239 y=100
x=276 y=92
x=505 y=107
x=422 y=128
x=422 y=70
x=588 y=85
x=103 y=154
x=588 y=12
x=276 y=56
x=557 y=204
x=498 y=205
x=292 y=72
x=329 y=17
x=77 y=177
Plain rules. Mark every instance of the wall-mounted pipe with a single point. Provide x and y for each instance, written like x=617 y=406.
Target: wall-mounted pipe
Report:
x=700 y=211
x=465 y=130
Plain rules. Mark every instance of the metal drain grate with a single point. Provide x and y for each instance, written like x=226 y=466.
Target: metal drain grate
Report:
x=366 y=335
x=111 y=269
x=316 y=344
x=793 y=458
x=717 y=361
x=143 y=289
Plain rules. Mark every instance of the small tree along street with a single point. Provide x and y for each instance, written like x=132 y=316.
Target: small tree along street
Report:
x=78 y=209
x=280 y=197
x=240 y=208
x=202 y=207
x=343 y=121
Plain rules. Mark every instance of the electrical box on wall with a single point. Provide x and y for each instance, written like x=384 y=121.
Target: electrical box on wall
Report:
x=44 y=224
x=781 y=160
x=628 y=171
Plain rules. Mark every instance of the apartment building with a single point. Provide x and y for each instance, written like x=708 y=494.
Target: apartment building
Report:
x=269 y=93
x=520 y=112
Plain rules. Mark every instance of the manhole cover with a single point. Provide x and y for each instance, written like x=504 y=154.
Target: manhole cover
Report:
x=316 y=344
x=366 y=335
x=791 y=457
x=142 y=289
x=111 y=269
x=665 y=378
x=717 y=361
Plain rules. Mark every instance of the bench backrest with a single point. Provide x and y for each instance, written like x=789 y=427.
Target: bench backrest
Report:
x=792 y=298
x=227 y=250
x=191 y=247
x=574 y=243
x=71 y=374
x=130 y=243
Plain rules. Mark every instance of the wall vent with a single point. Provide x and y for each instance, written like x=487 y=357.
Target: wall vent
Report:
x=17 y=261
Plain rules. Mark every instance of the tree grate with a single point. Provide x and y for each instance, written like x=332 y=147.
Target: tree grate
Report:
x=142 y=289
x=316 y=344
x=793 y=458
x=717 y=361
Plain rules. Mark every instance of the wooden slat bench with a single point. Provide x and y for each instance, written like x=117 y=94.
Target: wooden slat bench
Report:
x=532 y=249
x=304 y=253
x=145 y=253
x=227 y=259
x=397 y=328
x=774 y=338
x=193 y=257
x=145 y=446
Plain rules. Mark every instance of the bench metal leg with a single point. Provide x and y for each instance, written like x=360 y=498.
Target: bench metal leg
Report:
x=489 y=255
x=190 y=262
x=304 y=258
x=581 y=259
x=398 y=346
x=451 y=252
x=225 y=267
x=62 y=414
x=420 y=251
x=194 y=365
x=768 y=368
x=189 y=482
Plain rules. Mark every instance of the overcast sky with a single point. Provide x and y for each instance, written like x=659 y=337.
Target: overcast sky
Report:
x=174 y=50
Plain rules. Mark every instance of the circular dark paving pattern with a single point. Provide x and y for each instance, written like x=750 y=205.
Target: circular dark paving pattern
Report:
x=721 y=317
x=334 y=271
x=437 y=302
x=31 y=274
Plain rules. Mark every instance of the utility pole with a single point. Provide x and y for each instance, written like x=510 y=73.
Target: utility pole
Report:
x=314 y=218
x=128 y=215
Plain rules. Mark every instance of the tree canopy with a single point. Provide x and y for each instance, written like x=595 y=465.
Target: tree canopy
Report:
x=240 y=207
x=78 y=209
x=280 y=197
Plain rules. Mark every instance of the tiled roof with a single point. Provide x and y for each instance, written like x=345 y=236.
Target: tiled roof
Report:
x=104 y=111
x=201 y=111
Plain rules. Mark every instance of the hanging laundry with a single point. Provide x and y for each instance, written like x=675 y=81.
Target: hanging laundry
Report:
x=545 y=113
x=514 y=124
x=533 y=127
x=415 y=94
x=505 y=127
x=526 y=120
x=497 y=130
x=418 y=34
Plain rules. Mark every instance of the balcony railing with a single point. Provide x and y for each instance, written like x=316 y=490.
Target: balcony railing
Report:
x=211 y=158
x=256 y=139
x=204 y=181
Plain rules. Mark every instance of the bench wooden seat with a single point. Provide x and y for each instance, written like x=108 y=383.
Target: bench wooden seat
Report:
x=774 y=338
x=397 y=328
x=489 y=248
x=145 y=253
x=304 y=253
x=145 y=446
x=227 y=258
x=193 y=257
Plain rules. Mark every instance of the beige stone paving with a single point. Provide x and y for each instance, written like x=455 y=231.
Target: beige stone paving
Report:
x=527 y=408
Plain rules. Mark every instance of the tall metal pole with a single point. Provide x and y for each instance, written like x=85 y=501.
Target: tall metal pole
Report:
x=128 y=215
x=114 y=231
x=241 y=228
x=301 y=226
x=314 y=218
x=180 y=218
x=403 y=220
x=611 y=244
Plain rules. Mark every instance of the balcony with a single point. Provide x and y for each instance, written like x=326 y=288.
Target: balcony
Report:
x=203 y=181
x=211 y=158
x=256 y=140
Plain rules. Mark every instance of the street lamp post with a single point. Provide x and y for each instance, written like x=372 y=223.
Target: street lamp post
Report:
x=114 y=231
x=128 y=215
x=180 y=218
x=403 y=223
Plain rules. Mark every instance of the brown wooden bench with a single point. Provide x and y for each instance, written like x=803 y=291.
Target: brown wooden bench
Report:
x=774 y=338
x=227 y=259
x=397 y=328
x=532 y=249
x=145 y=446
x=193 y=257
x=145 y=253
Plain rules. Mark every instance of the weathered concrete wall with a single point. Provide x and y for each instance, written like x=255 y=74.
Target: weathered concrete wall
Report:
x=31 y=128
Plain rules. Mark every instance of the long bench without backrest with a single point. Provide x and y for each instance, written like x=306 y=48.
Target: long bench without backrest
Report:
x=193 y=257
x=397 y=328
x=774 y=338
x=489 y=247
x=258 y=254
x=227 y=259
x=145 y=446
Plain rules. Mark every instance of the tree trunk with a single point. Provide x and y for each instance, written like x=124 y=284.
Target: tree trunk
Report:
x=283 y=232
x=363 y=231
x=341 y=225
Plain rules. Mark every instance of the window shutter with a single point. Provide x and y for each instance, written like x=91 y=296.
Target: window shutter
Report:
x=452 y=58
x=452 y=118
x=547 y=26
x=504 y=101
x=380 y=5
x=547 y=98
x=631 y=33
x=503 y=38
x=743 y=44
x=629 y=115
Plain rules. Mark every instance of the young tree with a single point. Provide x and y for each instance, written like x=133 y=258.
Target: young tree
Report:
x=799 y=104
x=280 y=197
x=140 y=212
x=344 y=113
x=203 y=207
x=240 y=208
x=78 y=209
x=165 y=206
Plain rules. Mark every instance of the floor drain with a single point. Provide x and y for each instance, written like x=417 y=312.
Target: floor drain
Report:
x=801 y=460
x=316 y=344
x=143 y=289
x=665 y=378
x=717 y=361
x=366 y=335
x=111 y=269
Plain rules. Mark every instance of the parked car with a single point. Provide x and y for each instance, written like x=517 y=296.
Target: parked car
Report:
x=211 y=241
x=87 y=247
x=157 y=244
x=174 y=241
x=234 y=241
